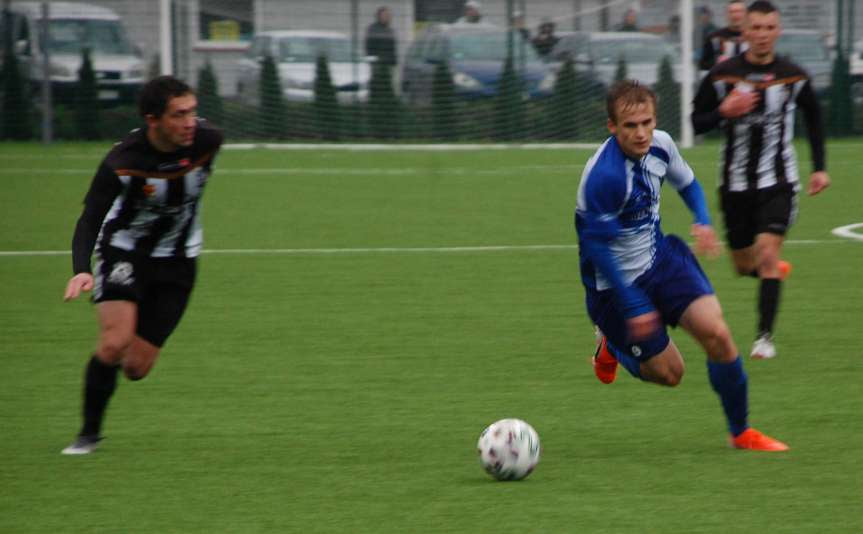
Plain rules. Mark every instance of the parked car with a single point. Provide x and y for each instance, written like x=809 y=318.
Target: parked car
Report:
x=807 y=49
x=575 y=46
x=117 y=63
x=602 y=51
x=295 y=53
x=476 y=55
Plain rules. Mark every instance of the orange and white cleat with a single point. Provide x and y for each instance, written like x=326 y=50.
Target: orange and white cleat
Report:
x=784 y=269
x=604 y=364
x=756 y=441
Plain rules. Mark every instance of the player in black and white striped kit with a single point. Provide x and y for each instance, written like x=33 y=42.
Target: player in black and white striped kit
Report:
x=142 y=217
x=753 y=98
x=728 y=42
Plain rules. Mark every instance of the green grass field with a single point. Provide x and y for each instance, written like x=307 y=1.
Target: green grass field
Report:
x=337 y=379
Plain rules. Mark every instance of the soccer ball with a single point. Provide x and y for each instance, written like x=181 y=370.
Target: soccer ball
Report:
x=508 y=449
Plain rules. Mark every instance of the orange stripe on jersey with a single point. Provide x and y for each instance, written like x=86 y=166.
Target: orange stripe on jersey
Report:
x=760 y=85
x=166 y=175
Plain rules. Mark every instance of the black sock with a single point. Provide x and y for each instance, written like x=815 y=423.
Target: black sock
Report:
x=768 y=305
x=100 y=381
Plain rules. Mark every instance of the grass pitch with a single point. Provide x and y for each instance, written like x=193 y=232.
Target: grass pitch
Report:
x=337 y=378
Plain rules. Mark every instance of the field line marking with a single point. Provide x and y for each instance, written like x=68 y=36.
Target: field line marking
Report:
x=391 y=250
x=423 y=147
x=848 y=232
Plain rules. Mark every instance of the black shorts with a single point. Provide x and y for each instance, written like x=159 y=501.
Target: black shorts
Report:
x=749 y=213
x=160 y=286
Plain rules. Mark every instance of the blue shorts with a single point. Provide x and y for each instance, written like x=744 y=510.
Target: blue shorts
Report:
x=672 y=284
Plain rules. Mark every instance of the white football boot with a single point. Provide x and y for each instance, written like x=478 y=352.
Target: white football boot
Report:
x=763 y=348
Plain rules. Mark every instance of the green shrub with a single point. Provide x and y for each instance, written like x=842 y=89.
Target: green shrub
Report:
x=87 y=116
x=272 y=117
x=209 y=102
x=444 y=118
x=327 y=116
x=16 y=109
x=383 y=110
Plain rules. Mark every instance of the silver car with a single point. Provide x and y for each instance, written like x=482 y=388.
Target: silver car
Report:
x=295 y=53
x=642 y=52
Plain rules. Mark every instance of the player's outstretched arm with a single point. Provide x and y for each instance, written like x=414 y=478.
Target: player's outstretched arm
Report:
x=78 y=283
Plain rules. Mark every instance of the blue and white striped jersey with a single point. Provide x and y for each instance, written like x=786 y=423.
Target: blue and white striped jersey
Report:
x=617 y=210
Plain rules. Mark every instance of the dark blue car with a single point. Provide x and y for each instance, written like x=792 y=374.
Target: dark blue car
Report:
x=476 y=55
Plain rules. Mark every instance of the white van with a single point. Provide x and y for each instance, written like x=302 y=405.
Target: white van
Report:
x=119 y=68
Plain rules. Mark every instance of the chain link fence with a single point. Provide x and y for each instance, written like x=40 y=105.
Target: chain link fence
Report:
x=394 y=71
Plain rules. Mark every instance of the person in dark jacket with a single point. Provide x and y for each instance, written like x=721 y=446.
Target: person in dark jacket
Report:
x=380 y=38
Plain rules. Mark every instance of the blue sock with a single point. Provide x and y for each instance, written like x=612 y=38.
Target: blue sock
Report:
x=631 y=364
x=729 y=381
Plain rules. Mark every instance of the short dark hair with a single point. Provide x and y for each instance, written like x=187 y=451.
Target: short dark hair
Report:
x=630 y=93
x=154 y=96
x=762 y=6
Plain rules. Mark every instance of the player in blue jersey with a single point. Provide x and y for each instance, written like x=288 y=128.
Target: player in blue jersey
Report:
x=639 y=281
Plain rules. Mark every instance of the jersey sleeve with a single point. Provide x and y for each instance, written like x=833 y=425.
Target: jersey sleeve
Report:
x=103 y=190
x=708 y=54
x=705 y=107
x=808 y=102
x=679 y=174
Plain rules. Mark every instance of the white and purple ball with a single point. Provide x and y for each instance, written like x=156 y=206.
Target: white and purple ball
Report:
x=508 y=449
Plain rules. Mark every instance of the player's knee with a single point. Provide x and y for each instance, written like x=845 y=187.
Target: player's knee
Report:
x=112 y=346
x=137 y=368
x=135 y=373
x=672 y=376
x=717 y=333
x=743 y=270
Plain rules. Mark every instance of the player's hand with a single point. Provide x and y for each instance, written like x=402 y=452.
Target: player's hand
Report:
x=643 y=326
x=705 y=240
x=78 y=283
x=738 y=103
x=818 y=181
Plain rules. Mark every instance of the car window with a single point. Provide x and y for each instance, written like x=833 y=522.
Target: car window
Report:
x=71 y=36
x=610 y=51
x=308 y=49
x=434 y=48
x=569 y=46
x=802 y=47
x=255 y=48
x=416 y=50
x=489 y=46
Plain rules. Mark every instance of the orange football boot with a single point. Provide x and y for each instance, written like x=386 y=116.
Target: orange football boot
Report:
x=604 y=364
x=756 y=441
x=784 y=269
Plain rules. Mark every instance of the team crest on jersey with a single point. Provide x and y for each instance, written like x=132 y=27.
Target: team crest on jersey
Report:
x=122 y=274
x=636 y=351
x=149 y=190
x=174 y=165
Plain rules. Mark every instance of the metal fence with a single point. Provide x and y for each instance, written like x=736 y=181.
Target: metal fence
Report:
x=395 y=70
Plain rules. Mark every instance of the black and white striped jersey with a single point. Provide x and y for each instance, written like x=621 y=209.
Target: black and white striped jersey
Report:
x=145 y=201
x=720 y=45
x=758 y=151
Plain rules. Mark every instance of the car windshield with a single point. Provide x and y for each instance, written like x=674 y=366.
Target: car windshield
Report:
x=307 y=49
x=71 y=36
x=489 y=46
x=807 y=47
x=605 y=51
